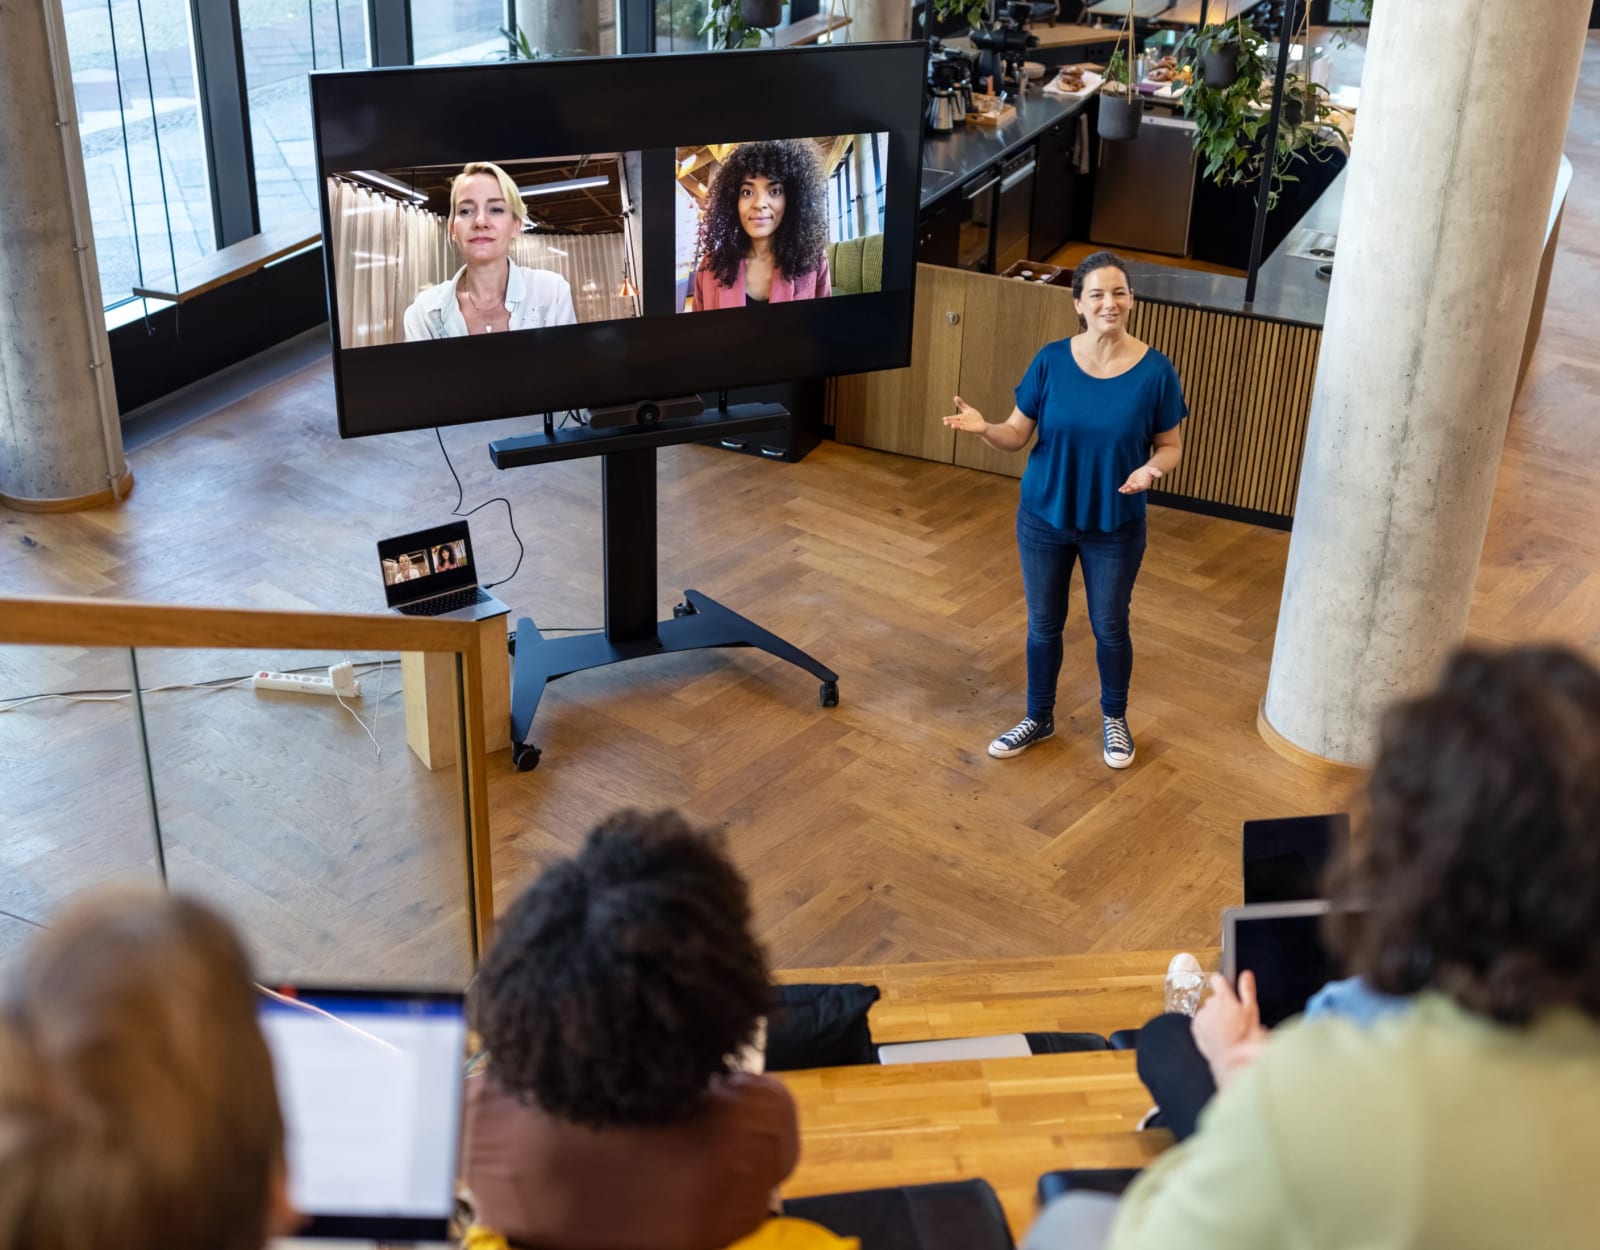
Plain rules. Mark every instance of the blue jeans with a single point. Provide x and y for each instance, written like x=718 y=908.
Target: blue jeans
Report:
x=1110 y=564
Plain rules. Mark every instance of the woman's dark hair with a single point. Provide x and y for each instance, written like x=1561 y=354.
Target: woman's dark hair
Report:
x=1092 y=262
x=802 y=235
x=621 y=980
x=1479 y=868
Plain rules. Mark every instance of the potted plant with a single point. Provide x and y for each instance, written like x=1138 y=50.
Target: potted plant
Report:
x=741 y=23
x=1219 y=49
x=1305 y=103
x=1121 y=109
x=972 y=12
x=1227 y=119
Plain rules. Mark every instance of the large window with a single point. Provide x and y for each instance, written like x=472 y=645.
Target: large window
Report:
x=678 y=25
x=143 y=150
x=452 y=31
x=284 y=40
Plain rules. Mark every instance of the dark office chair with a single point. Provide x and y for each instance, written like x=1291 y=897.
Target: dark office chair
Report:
x=1053 y=1185
x=949 y=1215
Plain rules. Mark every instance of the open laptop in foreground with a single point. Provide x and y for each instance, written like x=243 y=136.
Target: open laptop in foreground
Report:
x=431 y=573
x=370 y=1082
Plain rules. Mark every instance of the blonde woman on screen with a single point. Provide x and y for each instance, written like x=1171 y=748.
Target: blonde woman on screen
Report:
x=490 y=293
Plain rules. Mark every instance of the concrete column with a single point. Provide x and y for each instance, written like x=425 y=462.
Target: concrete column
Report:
x=873 y=21
x=60 y=440
x=561 y=27
x=1448 y=197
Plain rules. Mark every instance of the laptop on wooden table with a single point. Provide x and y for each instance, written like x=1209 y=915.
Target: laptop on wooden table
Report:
x=432 y=573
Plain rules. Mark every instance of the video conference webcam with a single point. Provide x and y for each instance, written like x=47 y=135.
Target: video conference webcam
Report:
x=645 y=412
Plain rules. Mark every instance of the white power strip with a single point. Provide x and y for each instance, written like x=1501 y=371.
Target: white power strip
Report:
x=304 y=683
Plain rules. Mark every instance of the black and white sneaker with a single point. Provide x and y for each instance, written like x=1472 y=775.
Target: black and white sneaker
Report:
x=1016 y=741
x=1119 y=742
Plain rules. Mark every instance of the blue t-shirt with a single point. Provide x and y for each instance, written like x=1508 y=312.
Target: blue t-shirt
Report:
x=1093 y=432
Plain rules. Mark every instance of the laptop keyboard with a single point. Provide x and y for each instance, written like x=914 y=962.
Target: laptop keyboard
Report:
x=468 y=598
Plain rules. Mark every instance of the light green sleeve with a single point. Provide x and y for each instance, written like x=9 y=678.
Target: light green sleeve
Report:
x=1223 y=1189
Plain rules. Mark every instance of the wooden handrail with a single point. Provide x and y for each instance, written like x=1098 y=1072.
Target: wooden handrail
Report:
x=82 y=622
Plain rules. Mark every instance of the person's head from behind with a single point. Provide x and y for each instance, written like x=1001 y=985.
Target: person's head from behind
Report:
x=1479 y=867
x=137 y=1104
x=621 y=980
x=767 y=191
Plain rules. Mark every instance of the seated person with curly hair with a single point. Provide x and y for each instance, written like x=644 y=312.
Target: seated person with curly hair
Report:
x=1469 y=1119
x=764 y=236
x=616 y=989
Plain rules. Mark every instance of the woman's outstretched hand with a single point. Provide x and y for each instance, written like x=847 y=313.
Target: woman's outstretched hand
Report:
x=1227 y=1028
x=1141 y=479
x=966 y=418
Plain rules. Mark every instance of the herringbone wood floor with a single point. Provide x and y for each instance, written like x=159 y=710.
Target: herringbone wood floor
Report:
x=876 y=832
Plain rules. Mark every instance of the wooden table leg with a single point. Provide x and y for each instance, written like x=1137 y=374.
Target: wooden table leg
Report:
x=429 y=680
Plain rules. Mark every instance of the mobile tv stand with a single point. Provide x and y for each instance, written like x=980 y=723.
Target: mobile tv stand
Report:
x=628 y=508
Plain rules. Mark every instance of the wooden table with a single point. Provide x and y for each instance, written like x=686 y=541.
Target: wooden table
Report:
x=1187 y=12
x=429 y=682
x=1143 y=10
x=1070 y=36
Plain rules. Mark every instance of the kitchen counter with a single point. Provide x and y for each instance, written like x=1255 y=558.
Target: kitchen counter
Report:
x=1287 y=289
x=950 y=160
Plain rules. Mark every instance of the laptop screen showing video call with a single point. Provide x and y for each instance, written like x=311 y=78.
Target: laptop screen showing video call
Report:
x=428 y=562
x=371 y=1084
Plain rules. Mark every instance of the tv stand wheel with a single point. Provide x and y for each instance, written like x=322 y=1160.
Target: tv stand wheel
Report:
x=829 y=694
x=525 y=756
x=684 y=609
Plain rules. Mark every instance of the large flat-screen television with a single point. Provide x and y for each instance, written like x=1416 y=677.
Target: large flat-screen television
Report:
x=530 y=237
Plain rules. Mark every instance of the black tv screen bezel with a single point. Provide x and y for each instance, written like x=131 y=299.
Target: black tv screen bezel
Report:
x=651 y=104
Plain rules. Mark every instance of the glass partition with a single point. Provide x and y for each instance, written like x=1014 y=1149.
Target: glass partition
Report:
x=74 y=808
x=306 y=817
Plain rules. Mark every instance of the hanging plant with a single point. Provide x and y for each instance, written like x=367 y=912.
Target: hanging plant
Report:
x=729 y=23
x=1220 y=49
x=1228 y=119
x=1121 y=109
x=972 y=12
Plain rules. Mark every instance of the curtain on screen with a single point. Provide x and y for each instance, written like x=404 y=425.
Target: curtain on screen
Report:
x=386 y=251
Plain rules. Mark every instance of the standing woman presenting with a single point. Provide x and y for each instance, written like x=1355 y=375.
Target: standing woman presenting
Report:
x=1107 y=409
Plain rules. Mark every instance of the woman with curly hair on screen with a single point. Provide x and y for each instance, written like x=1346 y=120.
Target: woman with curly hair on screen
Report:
x=764 y=236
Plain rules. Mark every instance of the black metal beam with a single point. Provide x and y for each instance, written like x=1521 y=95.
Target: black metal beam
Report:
x=575 y=444
x=390 y=23
x=225 y=119
x=1291 y=23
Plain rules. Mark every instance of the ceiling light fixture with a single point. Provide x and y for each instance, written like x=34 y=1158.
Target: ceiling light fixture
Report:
x=570 y=184
x=385 y=183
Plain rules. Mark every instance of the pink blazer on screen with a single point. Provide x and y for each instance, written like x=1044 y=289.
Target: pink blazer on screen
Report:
x=709 y=293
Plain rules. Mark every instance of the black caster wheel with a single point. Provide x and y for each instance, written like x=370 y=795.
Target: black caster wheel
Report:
x=525 y=757
x=684 y=609
x=829 y=694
